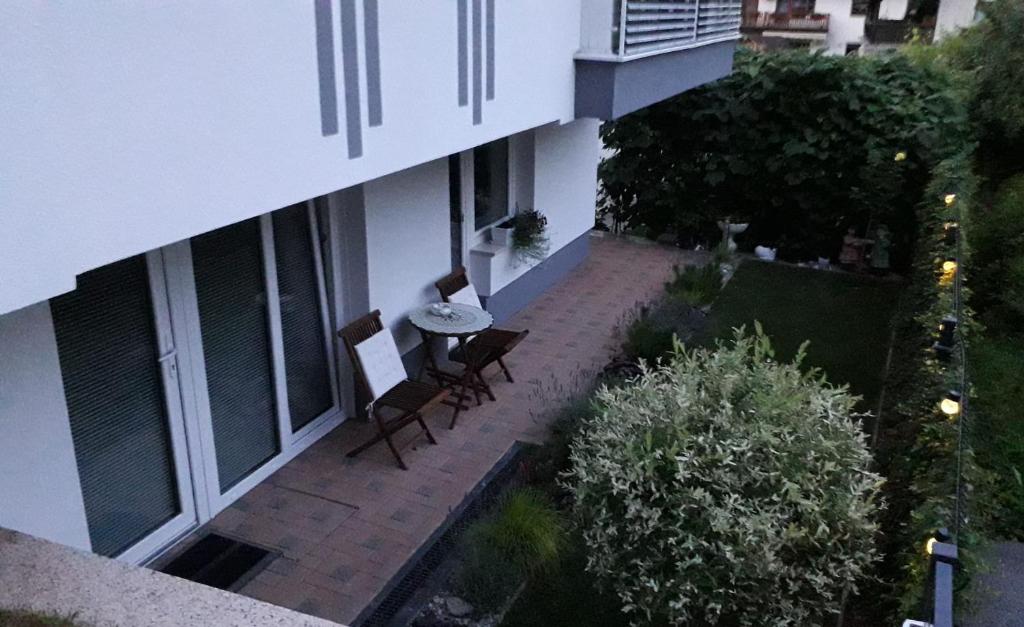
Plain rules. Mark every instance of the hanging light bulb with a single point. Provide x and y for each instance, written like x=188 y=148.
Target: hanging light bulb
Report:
x=944 y=346
x=949 y=266
x=951 y=404
x=900 y=156
x=950 y=199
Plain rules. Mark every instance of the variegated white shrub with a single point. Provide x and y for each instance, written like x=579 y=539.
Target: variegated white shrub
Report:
x=724 y=488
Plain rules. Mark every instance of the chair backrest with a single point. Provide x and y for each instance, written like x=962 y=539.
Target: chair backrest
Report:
x=452 y=283
x=456 y=288
x=381 y=363
x=358 y=331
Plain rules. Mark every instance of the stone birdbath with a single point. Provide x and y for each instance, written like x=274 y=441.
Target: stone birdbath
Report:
x=729 y=230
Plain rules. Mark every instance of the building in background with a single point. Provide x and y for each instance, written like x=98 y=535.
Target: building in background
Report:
x=851 y=26
x=196 y=196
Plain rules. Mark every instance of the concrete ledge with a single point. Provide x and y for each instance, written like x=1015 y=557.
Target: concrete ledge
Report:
x=519 y=293
x=42 y=576
x=608 y=89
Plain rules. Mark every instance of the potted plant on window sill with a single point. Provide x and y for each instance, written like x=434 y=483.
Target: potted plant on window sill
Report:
x=529 y=235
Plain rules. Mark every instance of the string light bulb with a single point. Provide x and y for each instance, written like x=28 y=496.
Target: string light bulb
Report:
x=900 y=156
x=944 y=346
x=951 y=404
x=949 y=232
x=949 y=266
x=950 y=199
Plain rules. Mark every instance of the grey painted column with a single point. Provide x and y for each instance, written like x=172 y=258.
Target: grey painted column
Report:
x=374 y=108
x=350 y=71
x=325 y=67
x=463 y=39
x=478 y=30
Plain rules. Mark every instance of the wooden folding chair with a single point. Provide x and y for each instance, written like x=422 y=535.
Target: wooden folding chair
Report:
x=379 y=371
x=492 y=345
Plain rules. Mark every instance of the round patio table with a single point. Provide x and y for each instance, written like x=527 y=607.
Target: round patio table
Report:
x=462 y=323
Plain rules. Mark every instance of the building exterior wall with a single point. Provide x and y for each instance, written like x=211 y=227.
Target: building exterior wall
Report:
x=954 y=15
x=39 y=488
x=136 y=125
x=408 y=243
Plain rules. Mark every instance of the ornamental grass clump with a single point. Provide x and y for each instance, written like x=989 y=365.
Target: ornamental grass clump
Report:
x=724 y=488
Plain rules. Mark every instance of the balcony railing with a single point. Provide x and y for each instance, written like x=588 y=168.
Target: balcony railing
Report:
x=649 y=26
x=893 y=31
x=811 y=22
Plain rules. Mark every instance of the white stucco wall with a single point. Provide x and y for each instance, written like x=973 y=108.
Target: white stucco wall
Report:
x=954 y=15
x=131 y=125
x=408 y=243
x=564 y=188
x=39 y=487
x=843 y=28
x=565 y=183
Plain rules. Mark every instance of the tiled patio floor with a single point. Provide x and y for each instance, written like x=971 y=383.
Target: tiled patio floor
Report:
x=345 y=526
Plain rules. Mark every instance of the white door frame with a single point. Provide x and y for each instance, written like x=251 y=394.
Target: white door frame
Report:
x=201 y=444
x=187 y=518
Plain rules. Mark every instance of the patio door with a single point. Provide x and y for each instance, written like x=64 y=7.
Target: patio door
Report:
x=254 y=302
x=121 y=381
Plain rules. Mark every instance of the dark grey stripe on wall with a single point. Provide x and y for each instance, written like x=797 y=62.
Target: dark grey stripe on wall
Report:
x=350 y=71
x=325 y=67
x=463 y=38
x=490 y=49
x=478 y=32
x=373 y=98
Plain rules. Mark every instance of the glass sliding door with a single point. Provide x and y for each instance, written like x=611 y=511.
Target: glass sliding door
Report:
x=231 y=290
x=300 y=293
x=119 y=369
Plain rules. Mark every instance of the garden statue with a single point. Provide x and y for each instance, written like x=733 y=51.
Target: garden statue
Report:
x=880 y=250
x=764 y=253
x=851 y=255
x=729 y=230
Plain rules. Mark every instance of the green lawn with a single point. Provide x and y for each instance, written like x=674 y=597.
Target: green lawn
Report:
x=846 y=318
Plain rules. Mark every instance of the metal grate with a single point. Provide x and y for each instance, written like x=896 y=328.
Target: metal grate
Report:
x=419 y=579
x=650 y=25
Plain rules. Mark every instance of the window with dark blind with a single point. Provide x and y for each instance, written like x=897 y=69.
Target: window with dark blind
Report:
x=490 y=183
x=113 y=384
x=305 y=352
x=231 y=290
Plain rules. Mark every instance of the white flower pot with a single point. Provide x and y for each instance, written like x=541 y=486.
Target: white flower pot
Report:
x=501 y=236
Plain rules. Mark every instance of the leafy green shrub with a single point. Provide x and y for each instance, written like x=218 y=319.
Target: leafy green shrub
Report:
x=991 y=56
x=997 y=243
x=523 y=537
x=724 y=488
x=696 y=285
x=800 y=145
x=647 y=341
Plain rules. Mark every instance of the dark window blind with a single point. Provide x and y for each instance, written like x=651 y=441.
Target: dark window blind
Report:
x=230 y=287
x=305 y=353
x=114 y=389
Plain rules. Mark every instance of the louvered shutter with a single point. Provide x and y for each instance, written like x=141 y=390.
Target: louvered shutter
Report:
x=114 y=389
x=231 y=290
x=305 y=353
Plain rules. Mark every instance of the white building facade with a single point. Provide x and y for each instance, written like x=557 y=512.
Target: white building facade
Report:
x=839 y=27
x=195 y=196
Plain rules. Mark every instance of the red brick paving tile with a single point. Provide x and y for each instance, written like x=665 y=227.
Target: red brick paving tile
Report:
x=345 y=526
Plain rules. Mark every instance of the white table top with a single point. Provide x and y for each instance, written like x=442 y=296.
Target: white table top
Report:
x=464 y=320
